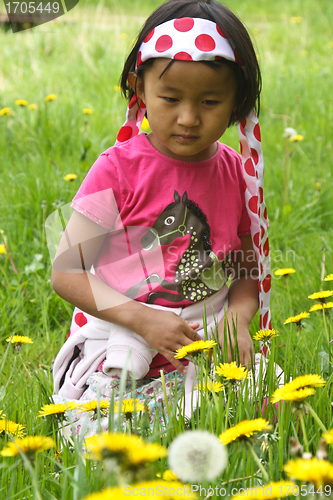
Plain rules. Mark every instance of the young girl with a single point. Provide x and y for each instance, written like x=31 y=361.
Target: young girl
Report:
x=161 y=217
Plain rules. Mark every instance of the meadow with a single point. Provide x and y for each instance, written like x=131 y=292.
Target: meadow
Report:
x=77 y=59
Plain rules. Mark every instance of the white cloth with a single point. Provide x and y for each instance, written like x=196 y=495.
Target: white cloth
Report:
x=83 y=352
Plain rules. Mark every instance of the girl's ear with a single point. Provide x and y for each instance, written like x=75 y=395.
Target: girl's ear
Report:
x=136 y=84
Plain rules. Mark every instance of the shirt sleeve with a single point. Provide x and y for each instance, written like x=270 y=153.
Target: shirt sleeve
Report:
x=98 y=197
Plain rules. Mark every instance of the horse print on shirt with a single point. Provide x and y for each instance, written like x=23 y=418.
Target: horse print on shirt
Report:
x=198 y=273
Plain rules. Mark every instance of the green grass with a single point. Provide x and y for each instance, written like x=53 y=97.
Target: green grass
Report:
x=79 y=59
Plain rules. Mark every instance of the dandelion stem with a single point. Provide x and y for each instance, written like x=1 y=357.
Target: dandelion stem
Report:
x=166 y=401
x=315 y=417
x=257 y=461
x=305 y=437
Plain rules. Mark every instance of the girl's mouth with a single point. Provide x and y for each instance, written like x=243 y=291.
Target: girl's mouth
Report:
x=186 y=139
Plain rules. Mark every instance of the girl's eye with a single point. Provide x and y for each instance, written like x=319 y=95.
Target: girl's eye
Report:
x=169 y=220
x=170 y=99
x=210 y=103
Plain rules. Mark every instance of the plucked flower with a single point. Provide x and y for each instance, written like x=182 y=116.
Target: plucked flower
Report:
x=329 y=277
x=50 y=97
x=210 y=387
x=94 y=406
x=297 y=319
x=19 y=339
x=299 y=388
x=284 y=271
x=244 y=430
x=265 y=335
x=57 y=409
x=231 y=371
x=195 y=348
x=320 y=307
x=321 y=295
x=279 y=489
x=28 y=445
x=319 y=472
x=11 y=427
x=197 y=456
x=70 y=177
x=167 y=490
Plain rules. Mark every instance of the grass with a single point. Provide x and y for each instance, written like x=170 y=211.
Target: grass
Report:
x=79 y=59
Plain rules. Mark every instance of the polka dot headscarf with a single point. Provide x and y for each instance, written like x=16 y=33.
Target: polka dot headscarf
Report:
x=194 y=39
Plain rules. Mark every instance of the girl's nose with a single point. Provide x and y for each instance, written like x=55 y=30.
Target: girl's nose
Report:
x=188 y=116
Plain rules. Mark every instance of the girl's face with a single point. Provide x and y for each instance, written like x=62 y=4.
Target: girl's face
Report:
x=188 y=108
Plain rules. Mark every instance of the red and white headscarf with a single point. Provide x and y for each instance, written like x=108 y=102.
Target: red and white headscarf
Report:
x=195 y=39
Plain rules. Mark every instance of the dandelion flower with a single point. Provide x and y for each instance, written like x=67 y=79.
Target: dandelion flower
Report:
x=197 y=456
x=32 y=106
x=289 y=132
x=70 y=177
x=19 y=339
x=146 y=452
x=329 y=277
x=167 y=490
x=297 y=319
x=279 y=489
x=2 y=249
x=244 y=430
x=116 y=88
x=5 y=111
x=210 y=387
x=145 y=124
x=50 y=97
x=109 y=445
x=265 y=335
x=319 y=472
x=129 y=406
x=57 y=409
x=328 y=436
x=289 y=391
x=195 y=348
x=296 y=138
x=11 y=428
x=169 y=475
x=285 y=271
x=296 y=20
x=87 y=111
x=231 y=371
x=28 y=445
x=319 y=307
x=102 y=405
x=321 y=295
x=21 y=102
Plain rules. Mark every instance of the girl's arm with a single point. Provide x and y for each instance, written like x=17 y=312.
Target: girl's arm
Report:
x=72 y=280
x=243 y=299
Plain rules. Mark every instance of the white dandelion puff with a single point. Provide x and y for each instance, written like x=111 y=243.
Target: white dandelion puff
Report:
x=197 y=456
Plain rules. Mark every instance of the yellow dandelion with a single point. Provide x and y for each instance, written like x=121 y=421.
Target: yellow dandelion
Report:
x=57 y=409
x=319 y=472
x=145 y=124
x=5 y=111
x=297 y=319
x=21 y=102
x=318 y=186
x=50 y=97
x=129 y=406
x=102 y=405
x=296 y=138
x=19 y=339
x=146 y=452
x=328 y=436
x=296 y=20
x=279 y=489
x=210 y=387
x=70 y=177
x=329 y=277
x=195 y=348
x=265 y=335
x=167 y=490
x=169 y=475
x=284 y=271
x=11 y=427
x=32 y=106
x=113 y=444
x=321 y=295
x=116 y=88
x=87 y=111
x=231 y=371
x=2 y=249
x=320 y=307
x=287 y=392
x=28 y=445
x=244 y=430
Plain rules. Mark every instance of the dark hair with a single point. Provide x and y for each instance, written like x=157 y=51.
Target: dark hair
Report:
x=247 y=70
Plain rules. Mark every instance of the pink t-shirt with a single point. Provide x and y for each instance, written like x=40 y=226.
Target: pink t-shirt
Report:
x=173 y=226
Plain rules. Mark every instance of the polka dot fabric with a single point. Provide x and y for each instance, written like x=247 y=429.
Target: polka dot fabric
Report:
x=193 y=39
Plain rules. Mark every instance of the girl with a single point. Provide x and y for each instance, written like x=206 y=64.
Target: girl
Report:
x=162 y=217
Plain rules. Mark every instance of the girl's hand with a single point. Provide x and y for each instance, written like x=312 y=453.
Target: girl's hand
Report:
x=166 y=332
